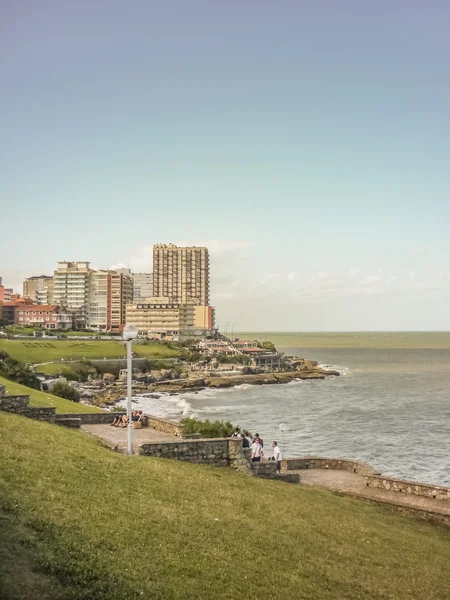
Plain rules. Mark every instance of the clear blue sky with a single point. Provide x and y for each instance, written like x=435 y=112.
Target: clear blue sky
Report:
x=308 y=143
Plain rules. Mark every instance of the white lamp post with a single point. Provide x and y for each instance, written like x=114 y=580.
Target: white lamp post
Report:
x=282 y=427
x=129 y=334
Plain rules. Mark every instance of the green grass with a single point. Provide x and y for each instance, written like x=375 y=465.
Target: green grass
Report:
x=62 y=369
x=80 y=522
x=154 y=351
x=37 y=351
x=41 y=351
x=42 y=399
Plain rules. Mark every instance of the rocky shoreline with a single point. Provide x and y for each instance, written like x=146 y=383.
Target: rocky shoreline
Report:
x=107 y=392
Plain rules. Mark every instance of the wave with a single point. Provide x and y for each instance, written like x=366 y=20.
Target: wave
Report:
x=344 y=371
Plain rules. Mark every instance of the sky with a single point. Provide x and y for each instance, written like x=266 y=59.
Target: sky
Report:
x=307 y=144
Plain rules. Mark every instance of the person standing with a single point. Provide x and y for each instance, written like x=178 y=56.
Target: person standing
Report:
x=257 y=450
x=277 y=455
x=259 y=440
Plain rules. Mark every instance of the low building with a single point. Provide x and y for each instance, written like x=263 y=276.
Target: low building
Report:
x=162 y=316
x=42 y=315
x=8 y=309
x=216 y=347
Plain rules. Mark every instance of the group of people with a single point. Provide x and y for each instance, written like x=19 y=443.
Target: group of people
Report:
x=137 y=416
x=256 y=446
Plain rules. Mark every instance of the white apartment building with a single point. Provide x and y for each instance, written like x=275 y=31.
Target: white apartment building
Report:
x=71 y=289
x=97 y=304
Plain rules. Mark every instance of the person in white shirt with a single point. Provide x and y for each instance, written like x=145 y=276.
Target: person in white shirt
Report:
x=257 y=451
x=277 y=455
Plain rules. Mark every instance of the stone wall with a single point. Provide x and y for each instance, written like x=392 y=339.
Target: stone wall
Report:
x=19 y=405
x=408 y=487
x=320 y=462
x=170 y=427
x=46 y=413
x=15 y=404
x=103 y=418
x=205 y=451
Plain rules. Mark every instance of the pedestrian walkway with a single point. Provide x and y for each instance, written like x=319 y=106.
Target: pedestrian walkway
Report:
x=353 y=484
x=116 y=437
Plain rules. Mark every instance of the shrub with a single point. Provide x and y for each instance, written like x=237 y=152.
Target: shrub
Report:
x=13 y=370
x=64 y=390
x=207 y=428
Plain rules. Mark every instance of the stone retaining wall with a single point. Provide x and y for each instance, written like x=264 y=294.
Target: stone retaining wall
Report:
x=14 y=404
x=408 y=487
x=205 y=451
x=19 y=405
x=320 y=462
x=164 y=425
x=103 y=418
x=46 y=414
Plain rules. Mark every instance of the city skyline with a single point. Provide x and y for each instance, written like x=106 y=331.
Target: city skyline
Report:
x=305 y=145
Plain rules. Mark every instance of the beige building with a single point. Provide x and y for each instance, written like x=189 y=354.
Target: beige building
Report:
x=32 y=286
x=181 y=273
x=120 y=294
x=163 y=316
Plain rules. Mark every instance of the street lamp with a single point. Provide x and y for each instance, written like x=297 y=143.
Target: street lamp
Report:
x=226 y=329
x=282 y=427
x=232 y=332
x=129 y=334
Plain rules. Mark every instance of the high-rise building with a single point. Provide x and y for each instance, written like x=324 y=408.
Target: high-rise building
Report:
x=33 y=285
x=97 y=308
x=71 y=289
x=181 y=273
x=120 y=293
x=142 y=284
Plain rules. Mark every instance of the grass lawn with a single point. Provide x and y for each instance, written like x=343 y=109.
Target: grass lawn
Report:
x=155 y=350
x=37 y=351
x=60 y=368
x=81 y=522
x=41 y=351
x=38 y=398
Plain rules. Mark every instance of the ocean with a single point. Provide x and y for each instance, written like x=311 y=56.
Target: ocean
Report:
x=390 y=407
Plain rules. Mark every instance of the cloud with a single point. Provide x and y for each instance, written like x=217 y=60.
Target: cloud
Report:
x=141 y=258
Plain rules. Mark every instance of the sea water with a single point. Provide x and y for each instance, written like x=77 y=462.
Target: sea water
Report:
x=390 y=407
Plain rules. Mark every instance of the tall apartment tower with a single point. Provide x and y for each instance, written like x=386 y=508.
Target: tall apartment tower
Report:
x=181 y=273
x=71 y=289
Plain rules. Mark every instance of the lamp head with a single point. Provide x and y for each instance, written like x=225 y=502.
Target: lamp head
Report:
x=129 y=332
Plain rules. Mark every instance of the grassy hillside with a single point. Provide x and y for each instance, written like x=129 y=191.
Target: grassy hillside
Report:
x=38 y=398
x=37 y=351
x=81 y=522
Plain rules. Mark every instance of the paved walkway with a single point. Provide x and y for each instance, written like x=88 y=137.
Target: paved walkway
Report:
x=117 y=436
x=353 y=484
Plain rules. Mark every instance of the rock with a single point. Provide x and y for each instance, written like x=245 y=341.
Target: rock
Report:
x=157 y=375
x=108 y=378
